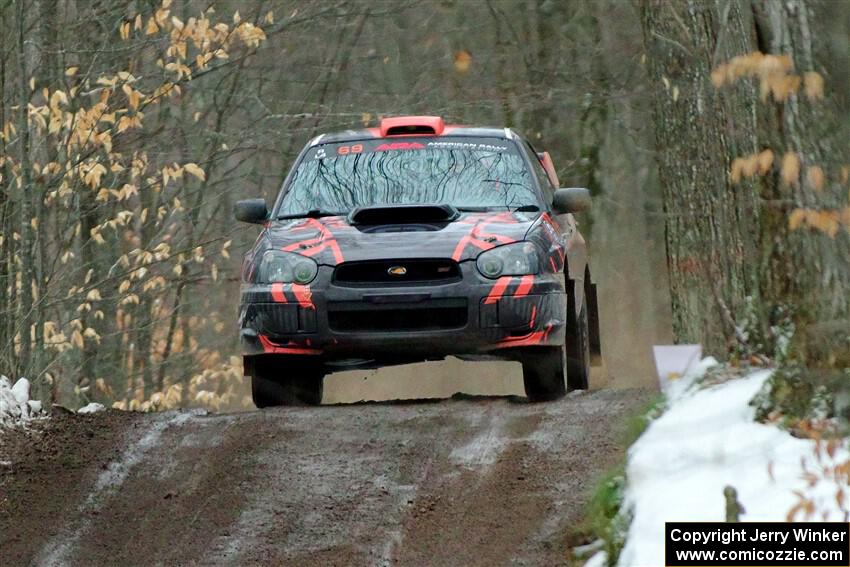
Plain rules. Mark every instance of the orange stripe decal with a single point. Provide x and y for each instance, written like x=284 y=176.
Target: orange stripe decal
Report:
x=272 y=348
x=312 y=246
x=303 y=295
x=302 y=245
x=482 y=244
x=277 y=293
x=524 y=286
x=336 y=251
x=534 y=338
x=500 y=238
x=498 y=289
x=460 y=248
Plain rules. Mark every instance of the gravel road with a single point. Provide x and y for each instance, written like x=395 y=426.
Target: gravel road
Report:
x=484 y=481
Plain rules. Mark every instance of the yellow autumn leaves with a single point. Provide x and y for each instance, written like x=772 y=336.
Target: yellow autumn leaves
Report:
x=774 y=73
x=776 y=78
x=462 y=61
x=750 y=166
x=761 y=163
x=218 y=386
x=210 y=40
x=111 y=202
x=826 y=220
x=86 y=133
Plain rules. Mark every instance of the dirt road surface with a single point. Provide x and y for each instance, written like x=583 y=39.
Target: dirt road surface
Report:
x=485 y=481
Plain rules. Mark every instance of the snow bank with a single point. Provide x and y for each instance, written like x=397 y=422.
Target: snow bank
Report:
x=16 y=407
x=707 y=440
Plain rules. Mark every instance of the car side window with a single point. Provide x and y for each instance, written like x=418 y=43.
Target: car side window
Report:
x=540 y=173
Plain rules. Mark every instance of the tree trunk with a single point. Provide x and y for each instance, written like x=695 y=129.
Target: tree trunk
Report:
x=698 y=130
x=27 y=232
x=729 y=240
x=6 y=219
x=807 y=270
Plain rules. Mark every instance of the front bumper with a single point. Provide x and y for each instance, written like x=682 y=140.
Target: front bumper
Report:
x=473 y=315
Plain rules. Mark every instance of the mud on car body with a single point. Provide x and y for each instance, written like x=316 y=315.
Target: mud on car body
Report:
x=414 y=241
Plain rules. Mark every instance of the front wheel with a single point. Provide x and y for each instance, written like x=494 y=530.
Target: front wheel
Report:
x=550 y=372
x=543 y=371
x=283 y=384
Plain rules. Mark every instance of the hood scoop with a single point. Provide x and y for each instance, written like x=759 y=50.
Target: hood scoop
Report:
x=402 y=215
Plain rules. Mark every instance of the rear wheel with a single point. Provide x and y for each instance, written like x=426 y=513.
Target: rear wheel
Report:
x=286 y=384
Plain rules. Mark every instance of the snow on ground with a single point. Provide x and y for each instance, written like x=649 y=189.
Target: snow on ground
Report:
x=16 y=407
x=706 y=440
x=93 y=407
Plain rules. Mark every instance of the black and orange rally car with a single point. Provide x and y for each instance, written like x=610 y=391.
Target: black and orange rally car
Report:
x=414 y=241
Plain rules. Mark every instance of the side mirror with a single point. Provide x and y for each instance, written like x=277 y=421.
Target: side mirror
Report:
x=571 y=200
x=253 y=211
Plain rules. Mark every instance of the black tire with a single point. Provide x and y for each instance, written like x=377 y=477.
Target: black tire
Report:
x=286 y=384
x=543 y=373
x=578 y=348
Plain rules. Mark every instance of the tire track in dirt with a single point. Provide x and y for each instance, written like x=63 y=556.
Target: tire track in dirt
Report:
x=108 y=481
x=472 y=482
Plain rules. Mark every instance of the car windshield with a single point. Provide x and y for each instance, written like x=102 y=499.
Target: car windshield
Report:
x=474 y=174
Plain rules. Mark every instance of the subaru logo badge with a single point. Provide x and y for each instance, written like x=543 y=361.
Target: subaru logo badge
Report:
x=397 y=271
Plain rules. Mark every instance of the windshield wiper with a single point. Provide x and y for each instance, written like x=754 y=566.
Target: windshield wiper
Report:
x=311 y=214
x=526 y=209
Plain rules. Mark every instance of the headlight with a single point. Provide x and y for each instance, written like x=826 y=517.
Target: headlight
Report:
x=286 y=267
x=518 y=259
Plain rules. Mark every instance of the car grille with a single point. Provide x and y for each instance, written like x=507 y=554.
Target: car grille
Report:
x=397 y=272
x=363 y=317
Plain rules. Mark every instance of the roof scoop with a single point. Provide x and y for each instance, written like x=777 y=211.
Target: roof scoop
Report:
x=402 y=214
x=412 y=125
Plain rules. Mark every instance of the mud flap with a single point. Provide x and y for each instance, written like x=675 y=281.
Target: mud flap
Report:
x=247 y=366
x=593 y=325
